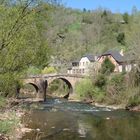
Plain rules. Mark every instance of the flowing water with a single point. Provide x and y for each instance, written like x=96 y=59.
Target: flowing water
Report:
x=58 y=119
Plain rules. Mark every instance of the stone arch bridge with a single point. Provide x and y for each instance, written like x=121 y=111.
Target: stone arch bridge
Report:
x=42 y=82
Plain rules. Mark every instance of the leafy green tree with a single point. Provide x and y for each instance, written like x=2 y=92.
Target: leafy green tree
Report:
x=107 y=67
x=33 y=71
x=121 y=38
x=100 y=81
x=48 y=70
x=21 y=43
x=85 y=88
x=126 y=18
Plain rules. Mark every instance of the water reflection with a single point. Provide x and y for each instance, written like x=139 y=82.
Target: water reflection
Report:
x=71 y=121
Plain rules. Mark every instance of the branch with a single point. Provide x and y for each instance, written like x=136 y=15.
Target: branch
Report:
x=14 y=29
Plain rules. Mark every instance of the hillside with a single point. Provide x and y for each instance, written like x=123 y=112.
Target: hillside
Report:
x=72 y=33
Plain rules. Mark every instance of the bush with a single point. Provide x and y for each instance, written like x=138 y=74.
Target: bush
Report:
x=8 y=122
x=121 y=38
x=8 y=84
x=115 y=89
x=126 y=18
x=100 y=81
x=107 y=67
x=134 y=101
x=99 y=94
x=117 y=80
x=33 y=71
x=85 y=88
x=2 y=101
x=48 y=70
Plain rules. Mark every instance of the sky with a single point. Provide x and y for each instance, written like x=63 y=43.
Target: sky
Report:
x=121 y=6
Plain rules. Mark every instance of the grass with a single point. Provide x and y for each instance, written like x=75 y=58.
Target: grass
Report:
x=2 y=101
x=8 y=121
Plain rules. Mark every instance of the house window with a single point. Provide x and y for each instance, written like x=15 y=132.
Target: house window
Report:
x=83 y=63
x=86 y=63
x=77 y=71
x=83 y=70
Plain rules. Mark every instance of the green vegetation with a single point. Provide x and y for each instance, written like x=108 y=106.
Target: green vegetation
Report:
x=3 y=101
x=58 y=88
x=109 y=89
x=23 y=48
x=34 y=36
x=107 y=67
x=85 y=88
x=48 y=70
x=33 y=71
x=8 y=122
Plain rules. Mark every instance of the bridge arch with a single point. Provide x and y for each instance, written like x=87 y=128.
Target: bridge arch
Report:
x=35 y=86
x=26 y=92
x=68 y=83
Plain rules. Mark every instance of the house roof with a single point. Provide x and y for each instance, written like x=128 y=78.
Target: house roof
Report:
x=115 y=54
x=91 y=57
x=76 y=61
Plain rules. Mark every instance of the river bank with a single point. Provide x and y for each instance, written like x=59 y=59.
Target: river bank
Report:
x=113 y=106
x=11 y=125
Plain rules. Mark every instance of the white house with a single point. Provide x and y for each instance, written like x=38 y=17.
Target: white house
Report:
x=82 y=65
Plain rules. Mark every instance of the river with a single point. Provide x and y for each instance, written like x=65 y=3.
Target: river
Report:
x=58 y=119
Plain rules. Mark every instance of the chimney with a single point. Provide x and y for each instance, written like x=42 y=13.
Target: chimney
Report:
x=95 y=57
x=122 y=52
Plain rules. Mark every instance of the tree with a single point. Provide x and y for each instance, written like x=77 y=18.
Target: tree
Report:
x=126 y=18
x=21 y=44
x=107 y=67
x=121 y=38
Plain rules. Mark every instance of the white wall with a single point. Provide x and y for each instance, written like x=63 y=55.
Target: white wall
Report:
x=120 y=68
x=84 y=62
x=128 y=67
x=84 y=65
x=83 y=68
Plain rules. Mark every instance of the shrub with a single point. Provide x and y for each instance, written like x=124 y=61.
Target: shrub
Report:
x=99 y=94
x=115 y=89
x=126 y=18
x=85 y=88
x=2 y=101
x=33 y=71
x=8 y=84
x=121 y=38
x=58 y=87
x=100 y=81
x=107 y=67
x=48 y=70
x=134 y=101
x=8 y=122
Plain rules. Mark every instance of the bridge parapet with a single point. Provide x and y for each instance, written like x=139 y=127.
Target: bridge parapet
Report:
x=54 y=75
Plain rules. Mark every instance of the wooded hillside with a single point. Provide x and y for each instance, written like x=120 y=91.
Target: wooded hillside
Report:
x=72 y=33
